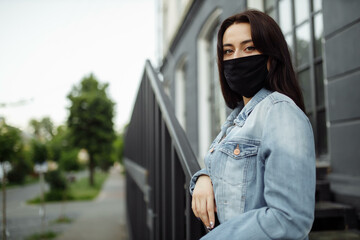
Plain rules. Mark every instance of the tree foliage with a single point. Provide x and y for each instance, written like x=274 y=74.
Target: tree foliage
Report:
x=56 y=180
x=69 y=160
x=43 y=129
x=91 y=121
x=12 y=150
x=39 y=153
x=59 y=143
x=10 y=142
x=118 y=146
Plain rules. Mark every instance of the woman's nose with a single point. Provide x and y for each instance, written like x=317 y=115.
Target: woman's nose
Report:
x=237 y=54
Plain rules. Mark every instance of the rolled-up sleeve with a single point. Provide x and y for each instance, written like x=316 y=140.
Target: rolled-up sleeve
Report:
x=195 y=177
x=288 y=154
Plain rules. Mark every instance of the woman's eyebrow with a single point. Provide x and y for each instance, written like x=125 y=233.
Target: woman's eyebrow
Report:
x=242 y=43
x=246 y=41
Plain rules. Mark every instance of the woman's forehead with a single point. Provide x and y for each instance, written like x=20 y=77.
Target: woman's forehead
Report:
x=237 y=32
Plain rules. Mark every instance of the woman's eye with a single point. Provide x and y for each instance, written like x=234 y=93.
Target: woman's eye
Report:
x=249 y=49
x=227 y=51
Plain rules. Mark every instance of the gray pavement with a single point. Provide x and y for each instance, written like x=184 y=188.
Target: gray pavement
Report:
x=103 y=218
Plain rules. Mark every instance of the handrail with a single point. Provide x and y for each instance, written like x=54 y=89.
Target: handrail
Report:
x=159 y=163
x=182 y=145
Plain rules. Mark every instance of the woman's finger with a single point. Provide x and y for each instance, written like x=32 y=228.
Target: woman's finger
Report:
x=203 y=212
x=210 y=211
x=193 y=206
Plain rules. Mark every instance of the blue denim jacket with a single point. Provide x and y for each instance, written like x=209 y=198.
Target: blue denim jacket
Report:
x=262 y=167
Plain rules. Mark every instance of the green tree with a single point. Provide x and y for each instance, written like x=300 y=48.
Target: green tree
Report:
x=10 y=148
x=91 y=121
x=58 y=143
x=62 y=151
x=38 y=151
x=10 y=142
x=69 y=160
x=118 y=146
x=21 y=166
x=43 y=129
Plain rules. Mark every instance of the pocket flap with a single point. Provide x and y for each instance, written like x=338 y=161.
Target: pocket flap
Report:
x=239 y=149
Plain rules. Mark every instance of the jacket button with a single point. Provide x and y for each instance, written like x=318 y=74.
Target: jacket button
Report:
x=237 y=151
x=211 y=150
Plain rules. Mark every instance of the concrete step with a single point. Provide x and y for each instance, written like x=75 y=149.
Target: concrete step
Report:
x=335 y=235
x=323 y=192
x=322 y=170
x=334 y=216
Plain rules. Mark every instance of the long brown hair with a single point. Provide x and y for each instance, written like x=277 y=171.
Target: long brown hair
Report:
x=269 y=40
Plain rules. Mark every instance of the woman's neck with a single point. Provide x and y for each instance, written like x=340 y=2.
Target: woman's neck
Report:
x=246 y=100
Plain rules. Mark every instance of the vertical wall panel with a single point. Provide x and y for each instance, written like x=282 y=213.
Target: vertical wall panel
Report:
x=342 y=65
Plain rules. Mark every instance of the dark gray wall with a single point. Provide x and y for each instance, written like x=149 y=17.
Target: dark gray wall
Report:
x=342 y=69
x=187 y=46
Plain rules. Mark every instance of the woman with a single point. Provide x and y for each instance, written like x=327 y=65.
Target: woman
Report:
x=260 y=169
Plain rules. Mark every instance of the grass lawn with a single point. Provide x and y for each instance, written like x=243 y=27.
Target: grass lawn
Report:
x=81 y=190
x=42 y=236
x=78 y=190
x=62 y=219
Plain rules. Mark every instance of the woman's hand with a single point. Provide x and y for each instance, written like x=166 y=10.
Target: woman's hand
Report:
x=203 y=201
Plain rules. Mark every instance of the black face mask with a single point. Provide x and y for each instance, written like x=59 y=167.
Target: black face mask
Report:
x=246 y=75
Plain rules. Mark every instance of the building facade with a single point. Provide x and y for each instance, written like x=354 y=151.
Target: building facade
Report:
x=322 y=37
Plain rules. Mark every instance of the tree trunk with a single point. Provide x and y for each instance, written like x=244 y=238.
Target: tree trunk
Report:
x=43 y=210
x=4 y=202
x=91 y=172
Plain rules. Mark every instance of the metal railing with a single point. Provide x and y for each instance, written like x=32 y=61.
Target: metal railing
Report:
x=159 y=163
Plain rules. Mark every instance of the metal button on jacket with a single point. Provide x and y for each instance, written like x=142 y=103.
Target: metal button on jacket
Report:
x=237 y=150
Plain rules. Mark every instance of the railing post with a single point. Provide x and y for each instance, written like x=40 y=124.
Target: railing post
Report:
x=150 y=146
x=159 y=162
x=188 y=215
x=158 y=171
x=166 y=181
x=178 y=206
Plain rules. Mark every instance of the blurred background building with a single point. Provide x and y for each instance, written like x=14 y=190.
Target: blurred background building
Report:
x=323 y=38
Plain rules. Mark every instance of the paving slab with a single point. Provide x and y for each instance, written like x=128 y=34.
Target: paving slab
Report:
x=105 y=217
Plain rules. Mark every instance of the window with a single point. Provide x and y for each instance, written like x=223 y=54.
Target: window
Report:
x=302 y=24
x=211 y=105
x=217 y=103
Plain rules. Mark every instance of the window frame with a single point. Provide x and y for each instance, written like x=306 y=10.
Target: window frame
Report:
x=315 y=109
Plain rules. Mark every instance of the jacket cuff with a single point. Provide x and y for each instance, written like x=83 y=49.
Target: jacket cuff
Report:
x=195 y=177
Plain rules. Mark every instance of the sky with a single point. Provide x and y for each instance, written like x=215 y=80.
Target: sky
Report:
x=48 y=46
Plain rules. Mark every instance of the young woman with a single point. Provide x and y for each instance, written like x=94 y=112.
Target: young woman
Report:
x=260 y=169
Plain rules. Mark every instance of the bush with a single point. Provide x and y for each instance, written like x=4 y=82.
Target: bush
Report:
x=56 y=180
x=105 y=164
x=19 y=171
x=78 y=191
x=68 y=160
x=57 y=195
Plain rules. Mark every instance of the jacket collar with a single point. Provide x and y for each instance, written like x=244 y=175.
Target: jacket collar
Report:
x=259 y=96
x=241 y=112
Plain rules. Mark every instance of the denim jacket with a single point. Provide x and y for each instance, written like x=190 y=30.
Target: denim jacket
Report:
x=262 y=167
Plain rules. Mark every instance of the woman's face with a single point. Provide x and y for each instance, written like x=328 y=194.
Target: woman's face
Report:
x=237 y=42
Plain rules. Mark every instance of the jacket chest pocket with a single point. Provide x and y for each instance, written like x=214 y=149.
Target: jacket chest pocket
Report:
x=239 y=161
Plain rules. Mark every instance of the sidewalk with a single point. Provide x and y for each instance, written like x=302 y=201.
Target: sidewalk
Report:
x=105 y=217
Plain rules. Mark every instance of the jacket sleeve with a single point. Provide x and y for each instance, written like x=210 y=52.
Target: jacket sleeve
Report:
x=288 y=153
x=195 y=177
